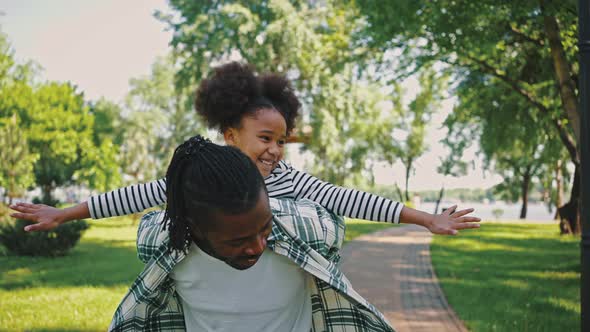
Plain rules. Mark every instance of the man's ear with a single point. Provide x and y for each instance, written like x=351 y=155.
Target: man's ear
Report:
x=230 y=136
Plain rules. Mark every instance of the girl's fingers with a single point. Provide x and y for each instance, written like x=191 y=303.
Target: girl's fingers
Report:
x=468 y=219
x=39 y=227
x=450 y=210
x=25 y=216
x=467 y=226
x=23 y=209
x=27 y=205
x=461 y=213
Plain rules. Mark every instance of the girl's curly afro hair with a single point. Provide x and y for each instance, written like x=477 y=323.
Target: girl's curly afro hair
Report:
x=234 y=90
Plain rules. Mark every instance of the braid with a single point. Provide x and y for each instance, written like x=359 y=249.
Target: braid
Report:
x=204 y=178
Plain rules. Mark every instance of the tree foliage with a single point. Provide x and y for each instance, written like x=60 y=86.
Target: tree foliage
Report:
x=314 y=44
x=528 y=47
x=16 y=161
x=158 y=118
x=58 y=126
x=415 y=118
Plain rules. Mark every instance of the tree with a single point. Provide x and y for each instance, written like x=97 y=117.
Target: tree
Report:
x=16 y=162
x=312 y=42
x=159 y=118
x=513 y=137
x=60 y=131
x=139 y=161
x=414 y=120
x=348 y=122
x=108 y=122
x=58 y=127
x=529 y=46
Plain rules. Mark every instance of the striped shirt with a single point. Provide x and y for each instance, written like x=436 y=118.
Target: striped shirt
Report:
x=283 y=182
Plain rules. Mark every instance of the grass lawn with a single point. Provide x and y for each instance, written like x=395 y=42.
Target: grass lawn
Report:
x=80 y=292
x=511 y=277
x=355 y=227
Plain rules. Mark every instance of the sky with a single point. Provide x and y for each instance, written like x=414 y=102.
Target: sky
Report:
x=100 y=45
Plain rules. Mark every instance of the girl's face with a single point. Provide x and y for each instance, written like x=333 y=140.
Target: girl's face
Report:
x=262 y=137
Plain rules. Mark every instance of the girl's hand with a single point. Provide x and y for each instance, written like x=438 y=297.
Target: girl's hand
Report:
x=46 y=217
x=450 y=222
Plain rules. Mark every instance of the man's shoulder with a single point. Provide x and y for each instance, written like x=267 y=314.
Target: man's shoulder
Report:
x=151 y=234
x=151 y=221
x=309 y=221
x=301 y=208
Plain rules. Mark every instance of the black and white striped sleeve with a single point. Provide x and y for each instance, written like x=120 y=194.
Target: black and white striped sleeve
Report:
x=128 y=200
x=345 y=202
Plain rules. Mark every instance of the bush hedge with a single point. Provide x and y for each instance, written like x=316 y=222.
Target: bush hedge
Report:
x=53 y=243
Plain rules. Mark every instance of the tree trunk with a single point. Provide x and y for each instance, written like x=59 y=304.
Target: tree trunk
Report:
x=408 y=170
x=558 y=188
x=570 y=212
x=567 y=87
x=526 y=180
x=399 y=193
x=46 y=197
x=440 y=196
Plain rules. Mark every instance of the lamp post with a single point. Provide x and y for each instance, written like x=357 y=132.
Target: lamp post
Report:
x=584 y=93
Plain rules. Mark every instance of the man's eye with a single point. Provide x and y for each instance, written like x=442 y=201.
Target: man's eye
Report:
x=236 y=243
x=268 y=229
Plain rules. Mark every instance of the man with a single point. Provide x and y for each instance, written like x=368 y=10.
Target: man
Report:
x=206 y=264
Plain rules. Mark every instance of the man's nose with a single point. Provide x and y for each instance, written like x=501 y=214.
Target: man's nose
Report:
x=257 y=246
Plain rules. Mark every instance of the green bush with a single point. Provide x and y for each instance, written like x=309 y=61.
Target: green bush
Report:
x=53 y=243
x=4 y=211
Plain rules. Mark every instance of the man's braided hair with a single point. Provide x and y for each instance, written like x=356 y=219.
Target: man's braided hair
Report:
x=204 y=178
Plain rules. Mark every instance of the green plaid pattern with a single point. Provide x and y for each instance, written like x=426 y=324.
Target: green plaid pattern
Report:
x=303 y=231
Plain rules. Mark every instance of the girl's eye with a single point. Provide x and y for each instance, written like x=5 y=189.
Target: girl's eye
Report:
x=265 y=138
x=281 y=142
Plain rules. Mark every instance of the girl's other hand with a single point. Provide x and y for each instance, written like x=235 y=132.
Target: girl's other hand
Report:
x=46 y=217
x=451 y=221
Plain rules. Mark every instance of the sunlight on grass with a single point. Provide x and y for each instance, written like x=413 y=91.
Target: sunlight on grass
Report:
x=60 y=308
x=511 y=277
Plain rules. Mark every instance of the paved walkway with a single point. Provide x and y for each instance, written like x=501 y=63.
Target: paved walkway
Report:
x=392 y=270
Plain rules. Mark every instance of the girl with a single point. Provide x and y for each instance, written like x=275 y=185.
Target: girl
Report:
x=255 y=114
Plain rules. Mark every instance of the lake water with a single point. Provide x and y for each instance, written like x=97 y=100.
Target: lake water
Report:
x=535 y=211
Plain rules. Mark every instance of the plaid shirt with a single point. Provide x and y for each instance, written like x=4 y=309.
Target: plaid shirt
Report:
x=302 y=231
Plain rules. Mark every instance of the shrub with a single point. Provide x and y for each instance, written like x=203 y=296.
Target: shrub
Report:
x=4 y=211
x=497 y=212
x=53 y=243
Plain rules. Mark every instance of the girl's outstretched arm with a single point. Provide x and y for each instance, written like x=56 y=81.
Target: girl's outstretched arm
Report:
x=346 y=202
x=128 y=200
x=48 y=217
x=132 y=199
x=357 y=204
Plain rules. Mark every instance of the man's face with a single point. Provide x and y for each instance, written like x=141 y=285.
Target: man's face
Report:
x=238 y=239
